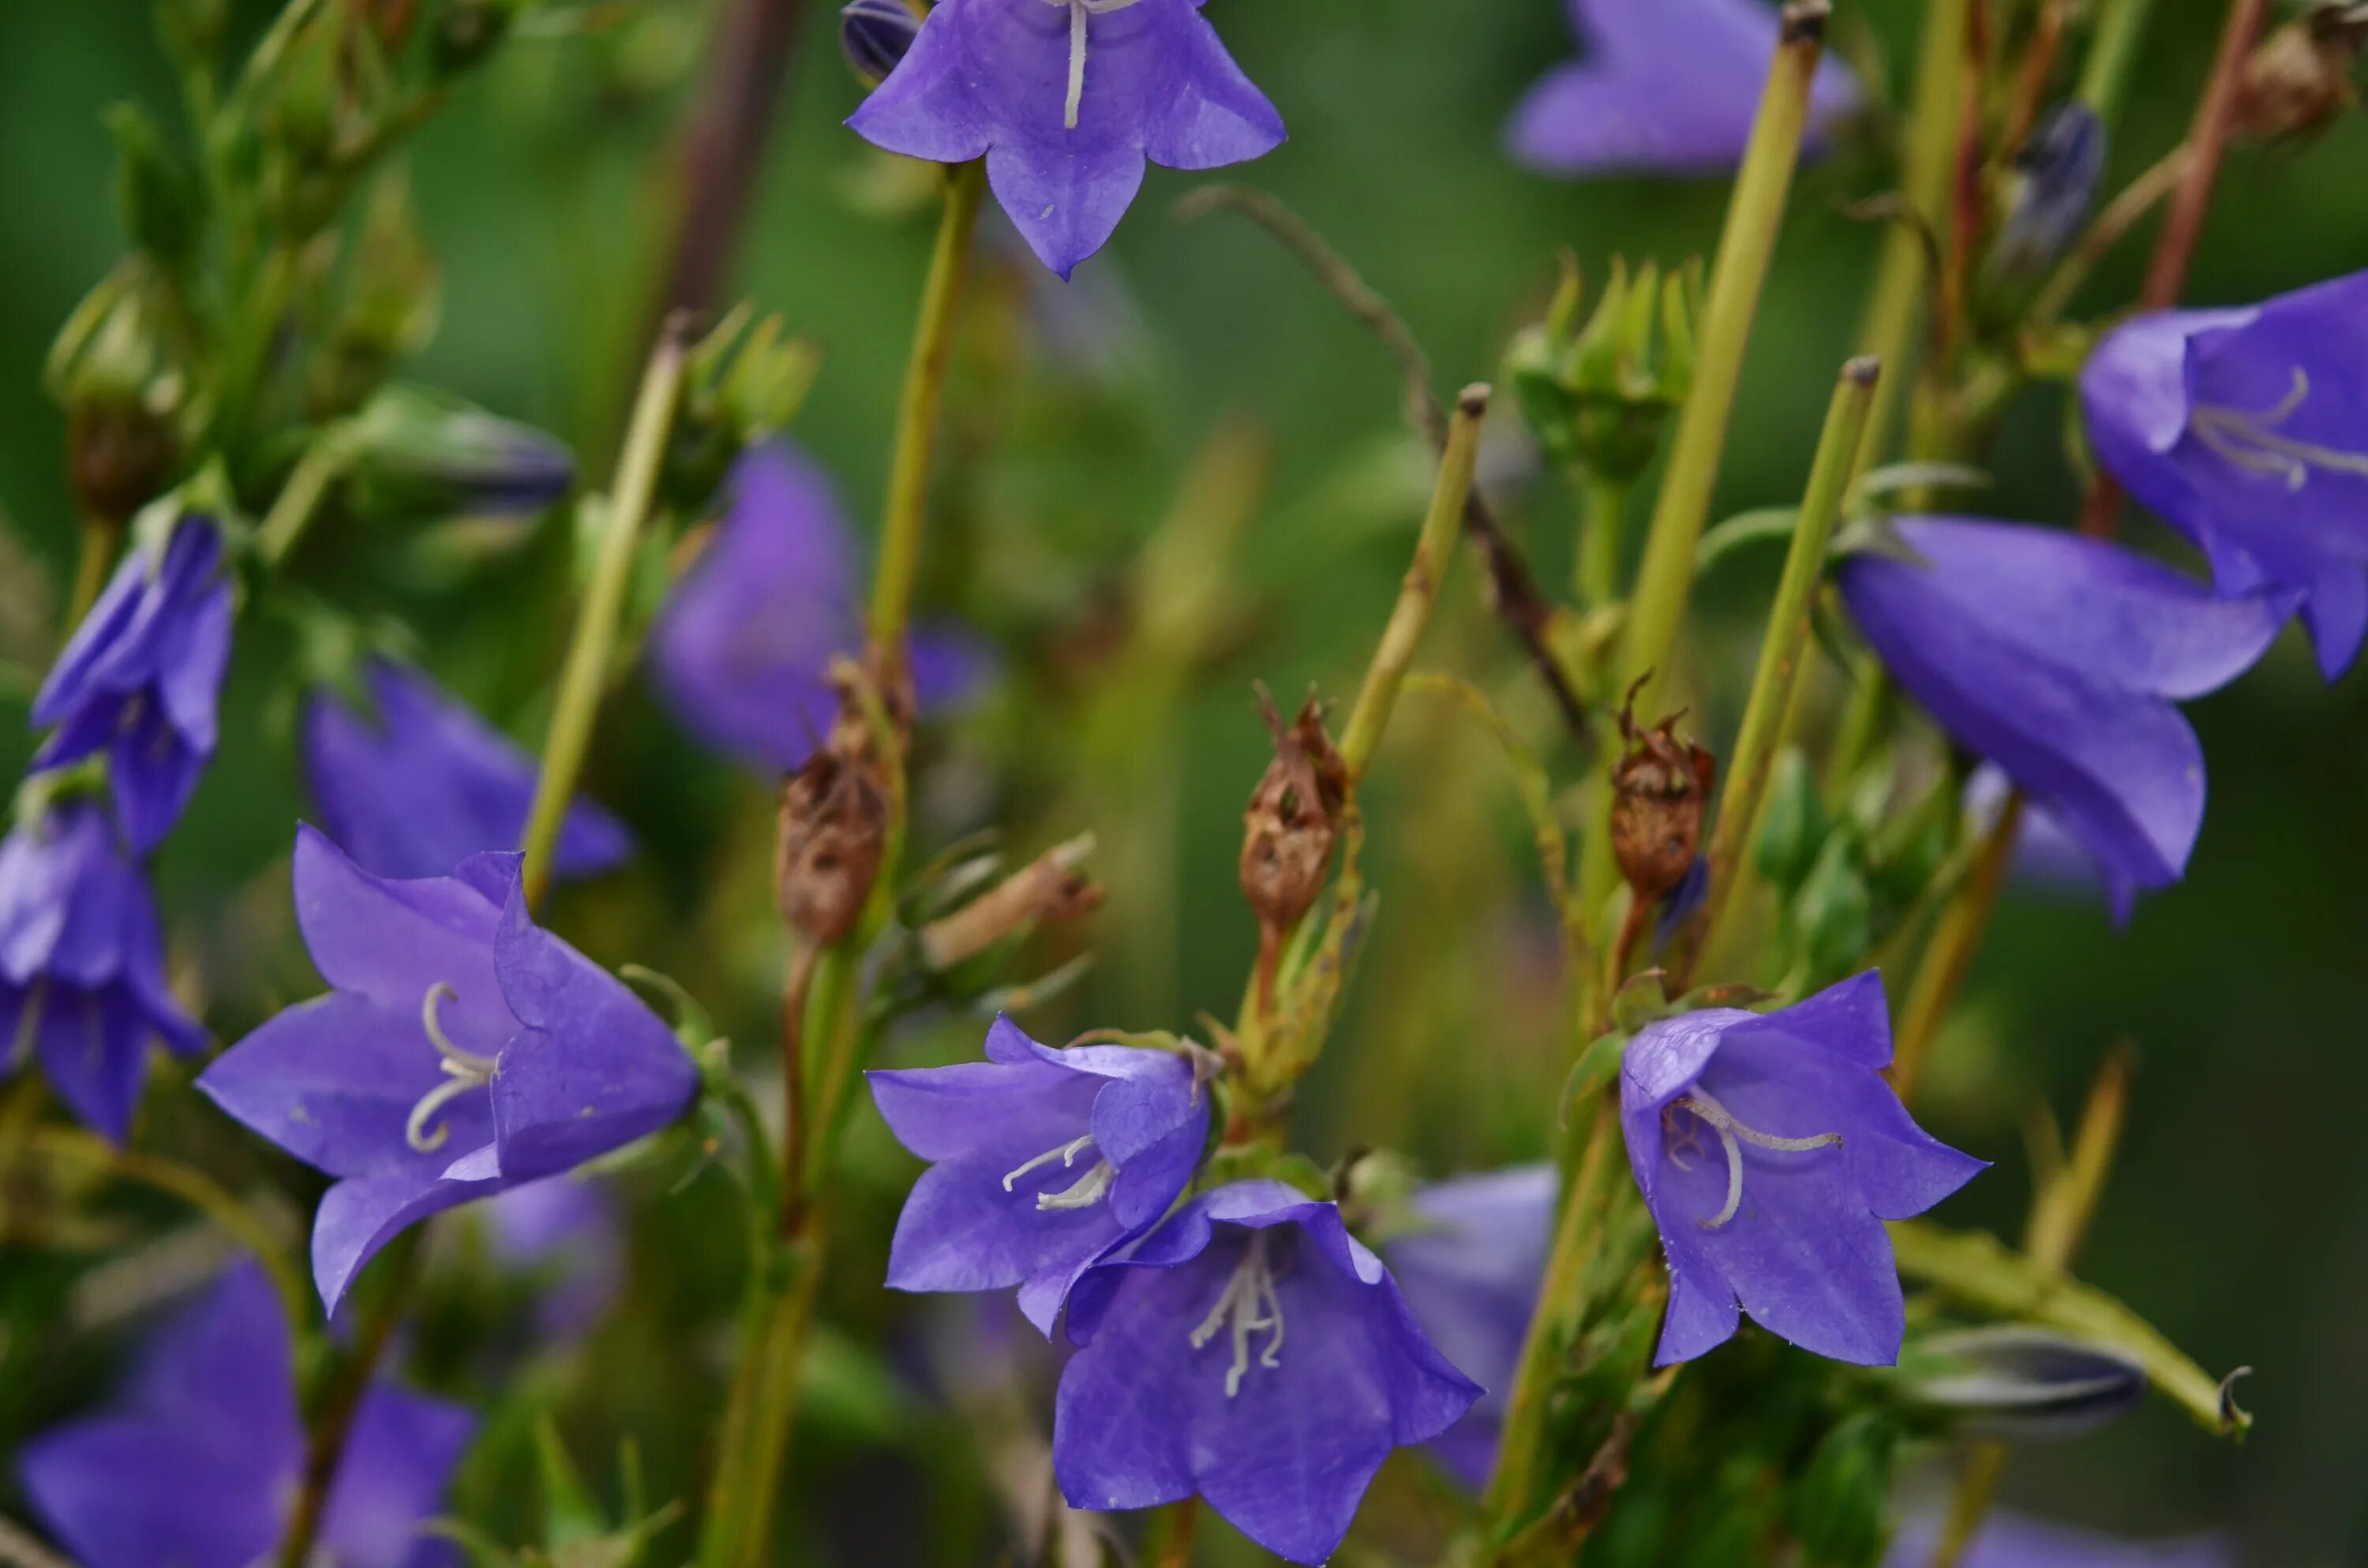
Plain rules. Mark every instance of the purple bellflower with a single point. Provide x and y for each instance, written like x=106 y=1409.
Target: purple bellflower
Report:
x=420 y=785
x=1667 y=86
x=567 y=1235
x=2010 y=1540
x=1066 y=100
x=463 y=1051
x=2242 y=428
x=1043 y=1161
x=1253 y=1351
x=741 y=647
x=2059 y=658
x=1769 y=1151
x=82 y=963
x=197 y=1466
x=141 y=676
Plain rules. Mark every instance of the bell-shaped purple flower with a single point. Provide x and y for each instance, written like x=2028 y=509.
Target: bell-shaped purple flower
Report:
x=1771 y=1149
x=82 y=963
x=2059 y=658
x=1253 y=1351
x=1042 y=1160
x=139 y=678
x=2244 y=431
x=196 y=1464
x=421 y=783
x=464 y=1051
x=2012 y=1540
x=1066 y=100
x=741 y=647
x=1667 y=86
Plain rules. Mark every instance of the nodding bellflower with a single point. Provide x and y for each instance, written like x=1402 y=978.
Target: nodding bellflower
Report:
x=463 y=1051
x=1769 y=1151
x=198 y=1464
x=140 y=676
x=2243 y=429
x=2059 y=658
x=1042 y=1161
x=1066 y=100
x=1250 y=1350
x=82 y=963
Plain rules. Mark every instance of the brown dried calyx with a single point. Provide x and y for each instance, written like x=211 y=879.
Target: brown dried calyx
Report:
x=1293 y=819
x=833 y=825
x=2300 y=78
x=1659 y=792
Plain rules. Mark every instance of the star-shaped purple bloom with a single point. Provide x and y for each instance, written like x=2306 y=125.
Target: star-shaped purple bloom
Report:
x=2243 y=429
x=419 y=785
x=141 y=676
x=1667 y=86
x=2010 y=1540
x=1253 y=1351
x=82 y=963
x=196 y=1466
x=464 y=1051
x=1065 y=100
x=2059 y=658
x=1042 y=1161
x=1771 y=1149
x=741 y=647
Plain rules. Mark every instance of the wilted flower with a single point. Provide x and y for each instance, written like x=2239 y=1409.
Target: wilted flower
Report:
x=82 y=963
x=1043 y=1161
x=1769 y=1151
x=464 y=1051
x=1253 y=1351
x=2011 y=1540
x=198 y=1464
x=139 y=678
x=419 y=783
x=2053 y=186
x=2242 y=429
x=2058 y=659
x=1066 y=100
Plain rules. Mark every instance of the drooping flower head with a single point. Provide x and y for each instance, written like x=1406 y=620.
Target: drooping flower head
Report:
x=1066 y=100
x=1042 y=1161
x=1253 y=1351
x=2243 y=429
x=197 y=1465
x=139 y=678
x=1667 y=86
x=82 y=963
x=2011 y=1540
x=464 y=1051
x=2059 y=658
x=1771 y=1149
x=420 y=783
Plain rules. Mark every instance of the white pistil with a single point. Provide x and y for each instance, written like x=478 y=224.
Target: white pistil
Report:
x=1250 y=1305
x=2246 y=438
x=1078 y=11
x=1067 y=1154
x=1083 y=1193
x=466 y=1069
x=1722 y=1122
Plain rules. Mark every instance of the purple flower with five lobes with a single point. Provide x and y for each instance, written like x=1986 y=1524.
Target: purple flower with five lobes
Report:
x=140 y=676
x=2059 y=658
x=1251 y=1350
x=2243 y=429
x=1769 y=1151
x=463 y=1051
x=82 y=963
x=1066 y=100
x=198 y=1463
x=420 y=783
x=1667 y=86
x=1042 y=1161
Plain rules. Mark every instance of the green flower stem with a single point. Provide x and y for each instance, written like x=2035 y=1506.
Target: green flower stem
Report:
x=101 y=538
x=1603 y=509
x=332 y=1412
x=300 y=498
x=2112 y=51
x=595 y=643
x=1946 y=957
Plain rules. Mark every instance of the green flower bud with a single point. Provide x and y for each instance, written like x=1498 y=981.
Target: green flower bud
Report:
x=742 y=382
x=419 y=453
x=1597 y=396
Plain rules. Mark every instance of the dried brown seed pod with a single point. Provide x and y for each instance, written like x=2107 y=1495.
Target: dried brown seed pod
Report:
x=1660 y=791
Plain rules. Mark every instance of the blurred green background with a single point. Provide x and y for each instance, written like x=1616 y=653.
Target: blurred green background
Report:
x=2237 y=1219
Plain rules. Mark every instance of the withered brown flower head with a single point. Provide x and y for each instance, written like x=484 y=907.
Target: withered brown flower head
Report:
x=833 y=825
x=1660 y=791
x=2300 y=78
x=1293 y=817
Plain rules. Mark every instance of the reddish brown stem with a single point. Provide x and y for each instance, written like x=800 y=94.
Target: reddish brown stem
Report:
x=724 y=145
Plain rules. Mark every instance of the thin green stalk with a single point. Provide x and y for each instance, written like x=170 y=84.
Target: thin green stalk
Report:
x=333 y=1420
x=300 y=499
x=2112 y=52
x=1950 y=954
x=1603 y=508
x=101 y=538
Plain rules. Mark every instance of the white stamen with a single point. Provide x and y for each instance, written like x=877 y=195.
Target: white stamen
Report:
x=1078 y=11
x=1723 y=1121
x=1083 y=1193
x=482 y=1067
x=466 y=1069
x=2244 y=438
x=1249 y=1305
x=1067 y=1154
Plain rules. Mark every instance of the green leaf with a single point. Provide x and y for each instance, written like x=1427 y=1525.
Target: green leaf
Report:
x=1761 y=525
x=1595 y=1067
x=569 y=1513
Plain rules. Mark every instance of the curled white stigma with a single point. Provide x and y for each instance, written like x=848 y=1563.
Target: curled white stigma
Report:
x=1250 y=1305
x=2248 y=438
x=466 y=1069
x=1078 y=11
x=1067 y=1154
x=1720 y=1120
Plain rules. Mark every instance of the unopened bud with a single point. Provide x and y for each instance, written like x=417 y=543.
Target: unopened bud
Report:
x=2300 y=78
x=742 y=382
x=1293 y=818
x=1598 y=394
x=874 y=36
x=1660 y=791
x=2050 y=192
x=423 y=453
x=2021 y=1382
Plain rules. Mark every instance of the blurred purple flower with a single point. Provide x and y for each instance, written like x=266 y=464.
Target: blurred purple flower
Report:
x=1471 y=1274
x=2010 y=1540
x=2243 y=429
x=874 y=34
x=2059 y=658
x=2046 y=855
x=1769 y=1151
x=421 y=784
x=566 y=1234
x=1253 y=1351
x=1667 y=86
x=741 y=647
x=1066 y=100
x=465 y=1052
x=141 y=676
x=197 y=1465
x=82 y=963
x=1006 y=1201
